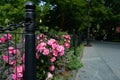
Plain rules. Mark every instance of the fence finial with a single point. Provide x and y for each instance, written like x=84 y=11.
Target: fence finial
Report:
x=30 y=5
x=30 y=16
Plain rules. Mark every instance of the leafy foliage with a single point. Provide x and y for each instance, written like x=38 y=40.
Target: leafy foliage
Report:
x=65 y=14
x=74 y=61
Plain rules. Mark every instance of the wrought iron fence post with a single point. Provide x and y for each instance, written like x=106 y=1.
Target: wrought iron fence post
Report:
x=88 y=29
x=79 y=39
x=74 y=45
x=30 y=60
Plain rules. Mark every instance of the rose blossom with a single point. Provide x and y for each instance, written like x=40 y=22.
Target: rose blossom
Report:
x=55 y=53
x=17 y=76
x=54 y=45
x=60 y=48
x=19 y=69
x=16 y=51
x=51 y=41
x=5 y=58
x=37 y=56
x=14 y=76
x=38 y=37
x=66 y=37
x=0 y=41
x=52 y=68
x=45 y=51
x=23 y=57
x=41 y=46
x=67 y=45
x=49 y=76
x=8 y=36
x=52 y=59
x=20 y=75
x=3 y=39
x=61 y=53
x=41 y=35
x=12 y=62
x=10 y=50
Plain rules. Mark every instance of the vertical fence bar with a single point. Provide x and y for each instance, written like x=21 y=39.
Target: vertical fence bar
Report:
x=30 y=60
x=88 y=28
x=79 y=39
x=74 y=41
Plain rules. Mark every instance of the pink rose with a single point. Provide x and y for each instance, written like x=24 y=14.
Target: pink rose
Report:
x=0 y=40
x=3 y=39
x=16 y=51
x=52 y=59
x=60 y=48
x=51 y=41
x=67 y=45
x=37 y=56
x=5 y=58
x=8 y=36
x=66 y=37
x=52 y=68
x=19 y=75
x=12 y=62
x=14 y=76
x=41 y=35
x=23 y=57
x=19 y=69
x=45 y=51
x=68 y=41
x=55 y=53
x=61 y=53
x=10 y=50
x=54 y=45
x=41 y=46
x=38 y=37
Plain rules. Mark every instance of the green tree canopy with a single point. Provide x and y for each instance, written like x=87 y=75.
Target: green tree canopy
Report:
x=65 y=14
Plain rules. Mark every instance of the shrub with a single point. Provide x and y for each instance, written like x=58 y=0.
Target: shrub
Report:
x=73 y=62
x=48 y=51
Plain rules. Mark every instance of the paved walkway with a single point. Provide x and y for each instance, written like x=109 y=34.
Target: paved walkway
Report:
x=101 y=62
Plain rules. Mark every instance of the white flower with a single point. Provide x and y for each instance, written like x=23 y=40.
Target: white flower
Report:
x=49 y=76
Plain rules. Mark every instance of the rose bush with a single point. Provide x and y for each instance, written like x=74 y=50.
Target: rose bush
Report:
x=48 y=51
x=11 y=59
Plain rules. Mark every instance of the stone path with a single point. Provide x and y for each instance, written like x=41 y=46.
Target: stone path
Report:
x=101 y=62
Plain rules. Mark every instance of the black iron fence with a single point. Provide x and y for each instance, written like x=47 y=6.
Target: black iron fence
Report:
x=17 y=48
x=11 y=54
x=76 y=40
